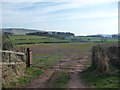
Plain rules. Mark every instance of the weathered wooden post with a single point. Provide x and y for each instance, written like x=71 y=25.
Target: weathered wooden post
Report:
x=29 y=57
x=9 y=57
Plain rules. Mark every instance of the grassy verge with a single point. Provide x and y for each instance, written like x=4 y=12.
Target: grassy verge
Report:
x=30 y=74
x=59 y=80
x=97 y=80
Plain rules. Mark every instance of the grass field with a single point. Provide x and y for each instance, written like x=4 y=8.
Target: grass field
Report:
x=46 y=55
x=47 y=59
x=17 y=39
x=68 y=46
x=44 y=60
x=94 y=39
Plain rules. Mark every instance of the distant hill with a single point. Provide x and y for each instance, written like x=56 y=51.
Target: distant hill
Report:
x=106 y=35
x=60 y=35
x=19 y=31
x=116 y=36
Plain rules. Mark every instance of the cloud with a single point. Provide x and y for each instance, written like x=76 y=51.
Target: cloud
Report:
x=58 y=0
x=71 y=4
x=49 y=15
x=39 y=9
x=87 y=15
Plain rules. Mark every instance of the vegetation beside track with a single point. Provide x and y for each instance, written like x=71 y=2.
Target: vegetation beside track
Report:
x=30 y=74
x=99 y=80
x=104 y=71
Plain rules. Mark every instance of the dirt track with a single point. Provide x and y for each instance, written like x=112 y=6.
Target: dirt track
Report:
x=75 y=81
x=41 y=81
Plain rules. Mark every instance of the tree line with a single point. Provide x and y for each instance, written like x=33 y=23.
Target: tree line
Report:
x=60 y=35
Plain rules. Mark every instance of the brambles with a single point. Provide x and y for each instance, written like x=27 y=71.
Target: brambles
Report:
x=104 y=71
x=105 y=57
x=7 y=44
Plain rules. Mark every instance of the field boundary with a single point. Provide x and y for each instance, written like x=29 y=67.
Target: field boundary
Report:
x=39 y=43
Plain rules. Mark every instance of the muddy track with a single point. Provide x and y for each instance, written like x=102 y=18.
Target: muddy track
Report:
x=41 y=81
x=72 y=65
x=75 y=81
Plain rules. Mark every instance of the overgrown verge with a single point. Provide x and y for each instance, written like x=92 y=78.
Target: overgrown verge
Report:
x=59 y=80
x=99 y=80
x=7 y=43
x=30 y=74
x=105 y=70
x=105 y=58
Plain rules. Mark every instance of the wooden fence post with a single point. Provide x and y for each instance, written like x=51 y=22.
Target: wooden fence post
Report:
x=29 y=58
x=10 y=57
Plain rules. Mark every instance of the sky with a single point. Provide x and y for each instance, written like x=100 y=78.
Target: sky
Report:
x=81 y=17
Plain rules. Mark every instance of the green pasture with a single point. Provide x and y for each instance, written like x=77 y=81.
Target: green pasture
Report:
x=48 y=59
x=94 y=39
x=44 y=60
x=17 y=39
x=67 y=46
x=13 y=37
x=39 y=40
